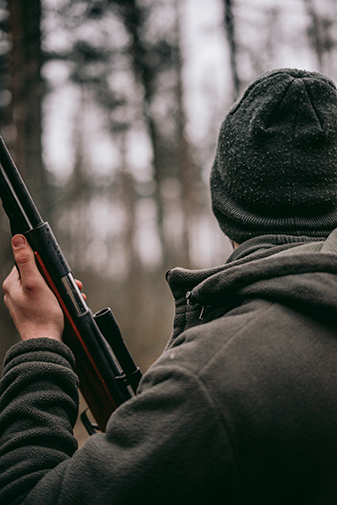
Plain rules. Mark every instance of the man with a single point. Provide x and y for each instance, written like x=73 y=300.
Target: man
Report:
x=241 y=407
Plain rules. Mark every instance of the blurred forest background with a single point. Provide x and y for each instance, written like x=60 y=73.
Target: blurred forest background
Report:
x=111 y=110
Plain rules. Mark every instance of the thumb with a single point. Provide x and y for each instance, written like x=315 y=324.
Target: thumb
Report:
x=24 y=258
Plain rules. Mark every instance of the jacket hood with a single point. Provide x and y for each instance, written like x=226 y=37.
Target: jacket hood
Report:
x=294 y=274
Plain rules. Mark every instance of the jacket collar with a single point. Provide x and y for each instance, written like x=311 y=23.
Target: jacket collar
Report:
x=254 y=270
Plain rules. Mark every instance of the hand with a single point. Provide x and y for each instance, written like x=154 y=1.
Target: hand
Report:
x=31 y=303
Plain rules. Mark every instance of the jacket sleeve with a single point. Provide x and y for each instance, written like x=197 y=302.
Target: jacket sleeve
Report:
x=168 y=444
x=38 y=409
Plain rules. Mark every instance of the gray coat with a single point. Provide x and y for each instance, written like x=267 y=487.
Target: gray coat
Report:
x=241 y=408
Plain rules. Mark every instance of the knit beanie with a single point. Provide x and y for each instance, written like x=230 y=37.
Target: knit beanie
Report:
x=275 y=169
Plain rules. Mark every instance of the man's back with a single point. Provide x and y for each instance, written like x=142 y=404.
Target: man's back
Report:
x=269 y=365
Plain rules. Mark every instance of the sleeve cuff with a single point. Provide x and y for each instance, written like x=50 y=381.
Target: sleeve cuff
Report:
x=45 y=349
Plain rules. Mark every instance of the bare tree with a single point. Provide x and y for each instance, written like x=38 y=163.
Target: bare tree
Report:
x=232 y=43
x=319 y=33
x=27 y=91
x=4 y=71
x=189 y=173
x=145 y=71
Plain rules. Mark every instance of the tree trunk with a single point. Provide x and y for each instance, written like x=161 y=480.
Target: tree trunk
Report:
x=27 y=90
x=230 y=31
x=189 y=173
x=316 y=32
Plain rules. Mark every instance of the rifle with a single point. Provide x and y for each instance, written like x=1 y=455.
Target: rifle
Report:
x=107 y=373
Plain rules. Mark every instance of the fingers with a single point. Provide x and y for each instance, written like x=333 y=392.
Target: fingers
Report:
x=10 y=284
x=80 y=287
x=32 y=305
x=13 y=276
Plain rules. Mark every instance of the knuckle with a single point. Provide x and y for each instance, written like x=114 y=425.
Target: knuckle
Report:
x=31 y=286
x=23 y=258
x=5 y=286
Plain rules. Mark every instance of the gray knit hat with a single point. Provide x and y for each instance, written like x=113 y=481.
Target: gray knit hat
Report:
x=275 y=170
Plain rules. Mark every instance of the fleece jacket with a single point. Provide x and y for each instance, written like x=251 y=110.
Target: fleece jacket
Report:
x=240 y=408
